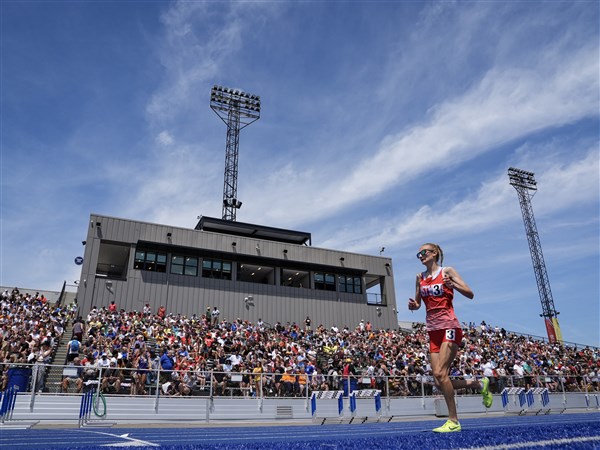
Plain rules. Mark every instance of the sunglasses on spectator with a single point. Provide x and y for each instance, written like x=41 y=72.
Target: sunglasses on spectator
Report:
x=423 y=252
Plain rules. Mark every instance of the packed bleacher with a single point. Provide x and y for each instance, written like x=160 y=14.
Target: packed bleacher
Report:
x=145 y=352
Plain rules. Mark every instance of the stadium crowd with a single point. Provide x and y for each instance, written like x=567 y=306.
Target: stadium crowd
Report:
x=189 y=354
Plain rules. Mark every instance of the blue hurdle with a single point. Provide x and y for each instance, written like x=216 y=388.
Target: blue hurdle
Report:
x=317 y=396
x=589 y=403
x=9 y=399
x=365 y=393
x=544 y=397
x=518 y=400
x=85 y=408
x=510 y=396
x=326 y=395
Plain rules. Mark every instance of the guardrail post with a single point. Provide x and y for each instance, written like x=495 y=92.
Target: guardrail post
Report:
x=157 y=393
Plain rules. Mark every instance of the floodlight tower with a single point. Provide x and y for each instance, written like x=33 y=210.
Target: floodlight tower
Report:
x=526 y=186
x=238 y=110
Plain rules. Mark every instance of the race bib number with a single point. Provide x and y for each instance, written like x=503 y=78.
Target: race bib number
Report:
x=432 y=290
x=450 y=335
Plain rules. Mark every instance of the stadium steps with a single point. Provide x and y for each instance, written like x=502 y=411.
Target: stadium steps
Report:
x=151 y=344
x=54 y=376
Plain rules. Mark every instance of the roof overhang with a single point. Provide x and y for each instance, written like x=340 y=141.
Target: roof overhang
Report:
x=253 y=231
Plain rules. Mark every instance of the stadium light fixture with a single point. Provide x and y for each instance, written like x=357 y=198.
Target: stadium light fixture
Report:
x=522 y=178
x=224 y=100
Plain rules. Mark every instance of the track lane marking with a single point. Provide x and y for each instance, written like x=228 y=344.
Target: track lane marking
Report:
x=537 y=443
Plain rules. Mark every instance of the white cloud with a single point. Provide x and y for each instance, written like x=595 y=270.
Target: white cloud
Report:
x=164 y=138
x=197 y=41
x=566 y=184
x=507 y=104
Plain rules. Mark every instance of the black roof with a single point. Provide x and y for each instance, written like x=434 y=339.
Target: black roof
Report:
x=254 y=231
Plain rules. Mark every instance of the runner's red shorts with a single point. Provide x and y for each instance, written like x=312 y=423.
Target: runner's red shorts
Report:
x=436 y=337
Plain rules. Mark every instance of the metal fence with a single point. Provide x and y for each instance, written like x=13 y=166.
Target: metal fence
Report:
x=67 y=379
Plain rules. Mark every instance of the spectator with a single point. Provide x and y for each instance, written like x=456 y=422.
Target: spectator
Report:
x=215 y=313
x=78 y=329
x=257 y=384
x=518 y=373
x=111 y=379
x=140 y=375
x=167 y=363
x=489 y=371
x=333 y=376
x=90 y=371
x=219 y=381
x=288 y=382
x=76 y=376
x=73 y=349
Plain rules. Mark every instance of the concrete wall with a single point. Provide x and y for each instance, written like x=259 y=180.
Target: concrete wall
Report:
x=53 y=408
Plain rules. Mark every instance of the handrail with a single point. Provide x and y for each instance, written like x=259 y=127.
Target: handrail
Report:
x=162 y=382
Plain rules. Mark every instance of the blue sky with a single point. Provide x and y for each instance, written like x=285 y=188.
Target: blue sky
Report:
x=383 y=124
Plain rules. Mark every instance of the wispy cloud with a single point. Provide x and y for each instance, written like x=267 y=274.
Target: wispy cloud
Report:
x=566 y=184
x=504 y=106
x=197 y=40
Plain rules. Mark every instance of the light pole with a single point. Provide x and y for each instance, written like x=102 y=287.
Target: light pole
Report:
x=526 y=186
x=237 y=110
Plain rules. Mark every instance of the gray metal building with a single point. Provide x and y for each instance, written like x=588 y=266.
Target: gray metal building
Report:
x=248 y=271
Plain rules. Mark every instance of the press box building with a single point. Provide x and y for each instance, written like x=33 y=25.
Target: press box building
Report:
x=248 y=271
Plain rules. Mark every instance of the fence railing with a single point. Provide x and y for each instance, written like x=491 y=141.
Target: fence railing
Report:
x=243 y=383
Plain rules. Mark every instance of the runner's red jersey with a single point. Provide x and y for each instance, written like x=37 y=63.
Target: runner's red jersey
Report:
x=438 y=302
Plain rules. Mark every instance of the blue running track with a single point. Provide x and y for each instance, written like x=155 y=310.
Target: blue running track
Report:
x=567 y=431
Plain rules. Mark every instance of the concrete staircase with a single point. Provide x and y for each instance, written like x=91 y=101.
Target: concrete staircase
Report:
x=54 y=376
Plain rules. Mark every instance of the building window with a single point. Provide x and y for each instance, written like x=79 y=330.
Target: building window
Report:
x=151 y=261
x=349 y=284
x=295 y=278
x=215 y=268
x=324 y=281
x=184 y=265
x=252 y=273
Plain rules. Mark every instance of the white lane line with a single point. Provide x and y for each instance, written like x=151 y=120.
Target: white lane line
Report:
x=537 y=443
x=130 y=442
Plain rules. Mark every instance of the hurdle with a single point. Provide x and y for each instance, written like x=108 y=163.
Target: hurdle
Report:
x=85 y=409
x=526 y=400
x=326 y=395
x=320 y=396
x=9 y=398
x=590 y=404
x=365 y=393
x=510 y=397
x=87 y=406
x=544 y=399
